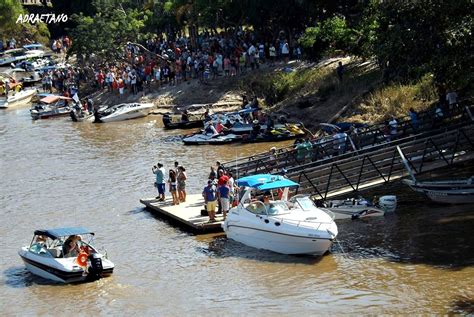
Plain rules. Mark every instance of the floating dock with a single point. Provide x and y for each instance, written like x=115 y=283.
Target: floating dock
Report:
x=187 y=214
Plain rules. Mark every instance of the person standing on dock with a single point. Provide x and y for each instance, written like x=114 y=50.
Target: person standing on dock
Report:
x=209 y=194
x=159 y=171
x=182 y=183
x=173 y=185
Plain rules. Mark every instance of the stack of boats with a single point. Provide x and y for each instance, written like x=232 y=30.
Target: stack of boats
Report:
x=236 y=129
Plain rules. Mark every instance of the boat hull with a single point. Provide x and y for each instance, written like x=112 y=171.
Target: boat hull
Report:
x=125 y=116
x=446 y=192
x=25 y=98
x=277 y=241
x=48 y=269
x=356 y=213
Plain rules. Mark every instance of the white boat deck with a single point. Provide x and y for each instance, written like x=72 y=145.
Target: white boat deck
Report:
x=187 y=214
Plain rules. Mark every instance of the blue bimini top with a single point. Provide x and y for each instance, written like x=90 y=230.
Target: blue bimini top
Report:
x=266 y=182
x=62 y=232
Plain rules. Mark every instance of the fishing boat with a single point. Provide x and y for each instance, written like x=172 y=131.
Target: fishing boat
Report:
x=125 y=111
x=169 y=123
x=453 y=191
x=279 y=224
x=51 y=106
x=456 y=191
x=358 y=208
x=45 y=256
x=17 y=98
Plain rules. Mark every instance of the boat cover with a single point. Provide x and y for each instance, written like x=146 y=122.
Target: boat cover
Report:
x=266 y=181
x=62 y=232
x=51 y=99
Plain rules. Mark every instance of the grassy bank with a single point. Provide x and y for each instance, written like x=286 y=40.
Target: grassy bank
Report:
x=313 y=93
x=396 y=100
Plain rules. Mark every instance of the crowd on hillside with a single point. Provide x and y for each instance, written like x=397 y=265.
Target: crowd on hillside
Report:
x=161 y=61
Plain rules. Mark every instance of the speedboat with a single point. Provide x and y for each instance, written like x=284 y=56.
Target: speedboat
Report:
x=361 y=207
x=45 y=256
x=17 y=98
x=279 y=224
x=459 y=191
x=51 y=106
x=125 y=111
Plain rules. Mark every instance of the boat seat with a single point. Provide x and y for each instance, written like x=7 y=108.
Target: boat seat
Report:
x=56 y=253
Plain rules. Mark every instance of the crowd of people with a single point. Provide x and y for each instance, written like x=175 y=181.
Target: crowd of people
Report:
x=219 y=193
x=163 y=61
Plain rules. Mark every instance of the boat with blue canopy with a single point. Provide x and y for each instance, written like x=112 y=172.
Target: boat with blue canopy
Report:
x=266 y=218
x=65 y=255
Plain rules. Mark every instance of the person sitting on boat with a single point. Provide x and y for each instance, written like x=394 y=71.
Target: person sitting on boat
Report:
x=210 y=130
x=255 y=128
x=185 y=116
x=271 y=208
x=220 y=127
x=207 y=116
x=228 y=124
x=70 y=246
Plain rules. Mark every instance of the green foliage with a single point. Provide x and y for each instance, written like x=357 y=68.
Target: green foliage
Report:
x=9 y=12
x=106 y=33
x=331 y=35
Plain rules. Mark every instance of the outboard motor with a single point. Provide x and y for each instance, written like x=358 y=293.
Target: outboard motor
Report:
x=96 y=268
x=97 y=117
x=166 y=119
x=388 y=203
x=72 y=113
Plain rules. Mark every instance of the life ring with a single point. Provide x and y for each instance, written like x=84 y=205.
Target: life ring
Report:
x=82 y=259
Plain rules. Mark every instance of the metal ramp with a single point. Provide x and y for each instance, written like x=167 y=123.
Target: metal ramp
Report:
x=384 y=164
x=370 y=140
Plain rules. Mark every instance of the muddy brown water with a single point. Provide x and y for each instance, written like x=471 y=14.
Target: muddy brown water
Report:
x=56 y=173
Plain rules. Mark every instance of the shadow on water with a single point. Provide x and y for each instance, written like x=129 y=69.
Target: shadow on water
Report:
x=463 y=305
x=19 y=277
x=221 y=247
x=424 y=233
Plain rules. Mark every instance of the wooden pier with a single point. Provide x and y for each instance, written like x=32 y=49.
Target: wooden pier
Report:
x=187 y=214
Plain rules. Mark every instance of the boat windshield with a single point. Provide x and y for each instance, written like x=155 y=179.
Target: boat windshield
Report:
x=305 y=203
x=272 y=208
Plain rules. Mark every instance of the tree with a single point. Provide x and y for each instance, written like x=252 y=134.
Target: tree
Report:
x=106 y=33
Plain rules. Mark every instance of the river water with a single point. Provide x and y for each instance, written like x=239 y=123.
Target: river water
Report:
x=56 y=173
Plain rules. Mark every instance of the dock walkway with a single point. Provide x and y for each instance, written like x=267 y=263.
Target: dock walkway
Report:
x=187 y=214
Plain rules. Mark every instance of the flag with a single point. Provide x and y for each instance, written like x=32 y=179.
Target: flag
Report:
x=75 y=97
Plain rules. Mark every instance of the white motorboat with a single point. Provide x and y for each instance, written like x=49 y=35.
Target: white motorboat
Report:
x=51 y=106
x=125 y=111
x=361 y=207
x=447 y=191
x=455 y=191
x=17 y=98
x=294 y=226
x=45 y=256
x=18 y=54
